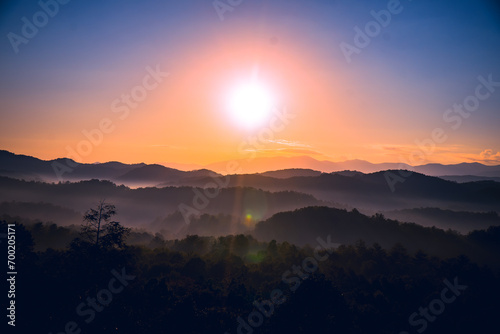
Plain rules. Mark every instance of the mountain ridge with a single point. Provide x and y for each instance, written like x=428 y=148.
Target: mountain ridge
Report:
x=32 y=168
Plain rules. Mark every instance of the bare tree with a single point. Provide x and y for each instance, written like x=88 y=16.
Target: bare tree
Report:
x=100 y=230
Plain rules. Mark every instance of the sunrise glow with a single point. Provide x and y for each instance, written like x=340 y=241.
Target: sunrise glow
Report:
x=250 y=104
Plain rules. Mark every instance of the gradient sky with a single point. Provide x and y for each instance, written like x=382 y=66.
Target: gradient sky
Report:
x=65 y=79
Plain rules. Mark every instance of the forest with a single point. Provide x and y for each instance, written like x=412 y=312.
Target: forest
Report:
x=137 y=282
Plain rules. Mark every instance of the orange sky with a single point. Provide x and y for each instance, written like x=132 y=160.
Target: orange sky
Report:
x=368 y=111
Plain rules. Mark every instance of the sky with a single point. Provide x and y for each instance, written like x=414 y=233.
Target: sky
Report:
x=196 y=82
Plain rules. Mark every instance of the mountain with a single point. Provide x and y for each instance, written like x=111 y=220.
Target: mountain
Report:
x=181 y=166
x=305 y=225
x=142 y=206
x=474 y=168
x=30 y=168
x=263 y=165
x=293 y=172
x=154 y=174
x=300 y=172
x=372 y=191
x=150 y=173
x=469 y=178
x=335 y=227
x=40 y=211
x=461 y=221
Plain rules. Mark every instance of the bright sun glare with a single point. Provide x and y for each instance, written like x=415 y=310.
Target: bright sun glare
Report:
x=251 y=104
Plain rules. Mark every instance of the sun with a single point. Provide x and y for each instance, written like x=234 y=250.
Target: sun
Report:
x=251 y=104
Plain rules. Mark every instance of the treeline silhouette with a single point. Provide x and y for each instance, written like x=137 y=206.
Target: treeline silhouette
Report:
x=142 y=206
x=205 y=284
x=300 y=227
x=303 y=226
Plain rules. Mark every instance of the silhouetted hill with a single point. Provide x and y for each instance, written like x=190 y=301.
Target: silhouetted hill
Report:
x=348 y=173
x=21 y=166
x=151 y=173
x=292 y=172
x=30 y=168
x=473 y=168
x=298 y=172
x=367 y=192
x=461 y=221
x=371 y=191
x=306 y=225
x=140 y=207
x=158 y=173
x=262 y=165
x=41 y=211
x=469 y=178
x=104 y=171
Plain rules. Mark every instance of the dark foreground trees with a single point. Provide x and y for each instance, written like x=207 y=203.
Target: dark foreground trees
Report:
x=212 y=285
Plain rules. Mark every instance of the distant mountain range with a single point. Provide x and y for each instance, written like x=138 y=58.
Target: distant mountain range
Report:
x=348 y=189
x=448 y=204
x=371 y=191
x=261 y=165
x=31 y=168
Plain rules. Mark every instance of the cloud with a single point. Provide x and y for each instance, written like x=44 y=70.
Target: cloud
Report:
x=285 y=150
x=287 y=143
x=489 y=156
x=301 y=151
